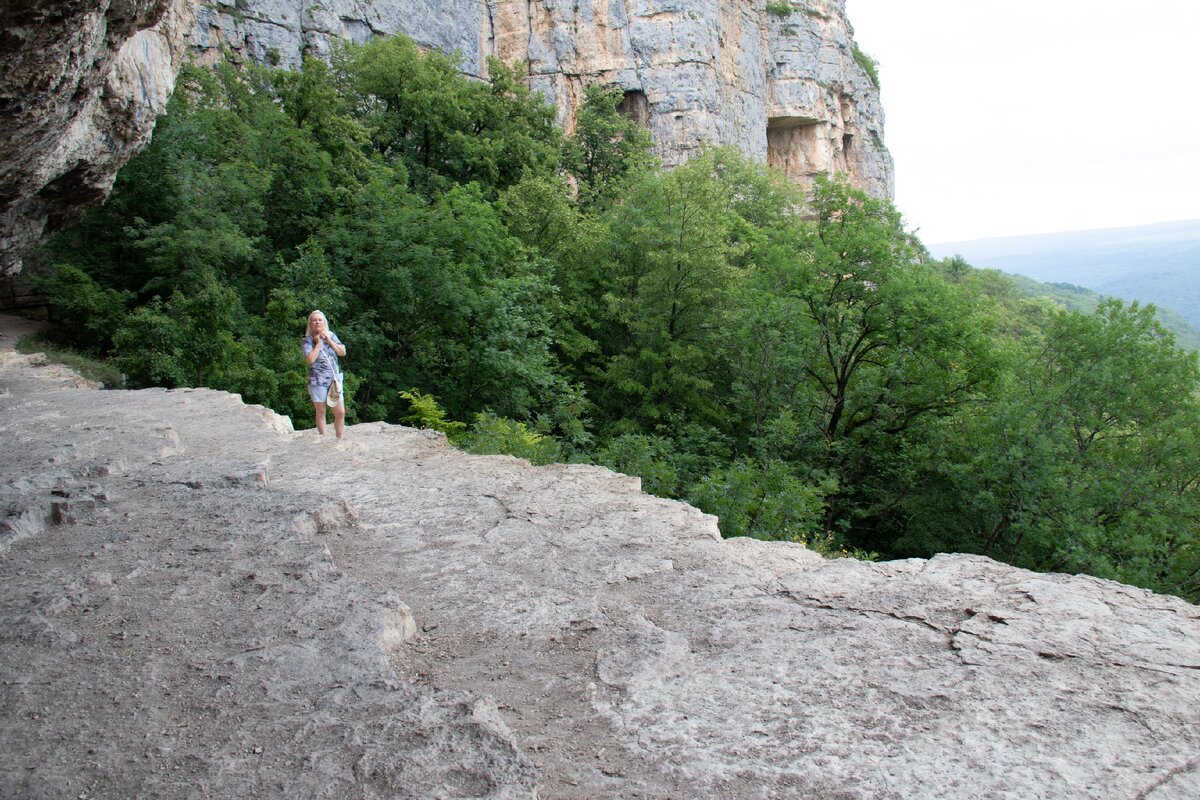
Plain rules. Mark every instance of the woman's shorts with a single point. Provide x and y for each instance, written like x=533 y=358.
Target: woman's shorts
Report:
x=320 y=394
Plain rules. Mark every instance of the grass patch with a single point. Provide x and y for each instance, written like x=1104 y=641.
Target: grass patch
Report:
x=868 y=64
x=779 y=9
x=90 y=367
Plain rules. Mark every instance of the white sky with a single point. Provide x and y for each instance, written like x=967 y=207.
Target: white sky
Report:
x=1010 y=118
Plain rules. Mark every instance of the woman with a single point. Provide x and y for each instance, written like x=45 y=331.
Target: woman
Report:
x=322 y=348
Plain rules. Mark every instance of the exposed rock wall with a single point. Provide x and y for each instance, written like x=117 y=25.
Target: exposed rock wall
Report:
x=81 y=83
x=197 y=602
x=785 y=89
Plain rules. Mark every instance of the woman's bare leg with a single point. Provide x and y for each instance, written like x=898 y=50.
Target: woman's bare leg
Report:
x=339 y=419
x=320 y=409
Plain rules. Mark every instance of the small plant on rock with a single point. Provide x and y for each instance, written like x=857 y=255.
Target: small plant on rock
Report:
x=868 y=64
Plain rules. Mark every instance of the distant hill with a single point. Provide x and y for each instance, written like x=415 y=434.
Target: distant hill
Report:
x=1157 y=264
x=1078 y=298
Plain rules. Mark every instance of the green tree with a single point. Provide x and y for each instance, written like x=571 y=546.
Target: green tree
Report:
x=886 y=347
x=681 y=244
x=763 y=500
x=441 y=128
x=608 y=150
x=1084 y=460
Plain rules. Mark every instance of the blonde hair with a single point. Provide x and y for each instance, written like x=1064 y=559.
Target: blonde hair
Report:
x=308 y=324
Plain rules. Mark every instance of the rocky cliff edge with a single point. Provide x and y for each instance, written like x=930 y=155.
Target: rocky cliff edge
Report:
x=195 y=601
x=81 y=84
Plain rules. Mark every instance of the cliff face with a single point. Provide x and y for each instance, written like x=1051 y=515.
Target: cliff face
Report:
x=785 y=89
x=81 y=84
x=197 y=602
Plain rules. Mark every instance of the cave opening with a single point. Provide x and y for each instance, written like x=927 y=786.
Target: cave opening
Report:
x=636 y=106
x=792 y=145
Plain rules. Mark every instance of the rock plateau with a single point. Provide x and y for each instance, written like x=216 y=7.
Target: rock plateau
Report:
x=196 y=601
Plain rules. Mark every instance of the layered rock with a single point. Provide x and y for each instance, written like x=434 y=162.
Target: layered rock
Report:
x=197 y=602
x=81 y=84
x=784 y=88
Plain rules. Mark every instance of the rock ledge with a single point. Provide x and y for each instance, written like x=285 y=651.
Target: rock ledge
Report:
x=198 y=602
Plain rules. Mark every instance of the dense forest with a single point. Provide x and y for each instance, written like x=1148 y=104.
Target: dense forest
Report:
x=796 y=364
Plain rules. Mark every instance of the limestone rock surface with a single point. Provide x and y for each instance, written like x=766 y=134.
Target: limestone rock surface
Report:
x=81 y=84
x=783 y=88
x=196 y=601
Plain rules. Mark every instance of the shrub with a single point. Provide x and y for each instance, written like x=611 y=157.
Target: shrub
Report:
x=494 y=435
x=868 y=64
x=426 y=413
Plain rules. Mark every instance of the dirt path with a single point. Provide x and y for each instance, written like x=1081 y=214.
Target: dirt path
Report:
x=13 y=327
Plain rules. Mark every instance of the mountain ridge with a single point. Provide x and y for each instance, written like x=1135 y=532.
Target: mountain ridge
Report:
x=1188 y=226
x=1157 y=263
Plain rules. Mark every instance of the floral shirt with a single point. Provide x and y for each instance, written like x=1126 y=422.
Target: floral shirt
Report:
x=325 y=369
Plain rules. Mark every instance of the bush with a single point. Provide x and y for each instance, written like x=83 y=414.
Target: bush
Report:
x=651 y=458
x=426 y=413
x=493 y=435
x=766 y=501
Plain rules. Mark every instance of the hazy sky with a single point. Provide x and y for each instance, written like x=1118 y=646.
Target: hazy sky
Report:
x=1008 y=118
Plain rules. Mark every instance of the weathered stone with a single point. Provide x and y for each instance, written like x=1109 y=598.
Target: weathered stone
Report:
x=783 y=89
x=81 y=84
x=201 y=635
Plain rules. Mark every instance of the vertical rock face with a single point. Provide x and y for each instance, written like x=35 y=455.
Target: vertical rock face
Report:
x=784 y=88
x=81 y=83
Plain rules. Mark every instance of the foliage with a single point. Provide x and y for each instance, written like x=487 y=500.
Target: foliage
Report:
x=1086 y=452
x=102 y=372
x=607 y=150
x=766 y=501
x=426 y=413
x=652 y=458
x=490 y=434
x=779 y=9
x=856 y=349
x=809 y=377
x=1077 y=298
x=443 y=128
x=868 y=65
